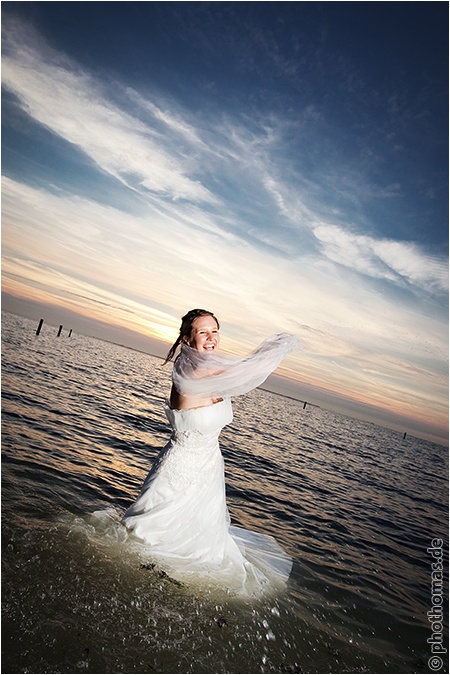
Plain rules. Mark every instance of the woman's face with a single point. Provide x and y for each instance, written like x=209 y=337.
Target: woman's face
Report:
x=205 y=334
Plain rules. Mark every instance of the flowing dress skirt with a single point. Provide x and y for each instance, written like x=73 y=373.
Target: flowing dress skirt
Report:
x=181 y=516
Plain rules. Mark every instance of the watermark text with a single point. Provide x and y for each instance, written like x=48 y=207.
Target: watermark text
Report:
x=436 y=613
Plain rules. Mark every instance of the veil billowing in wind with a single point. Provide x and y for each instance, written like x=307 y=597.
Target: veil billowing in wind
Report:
x=210 y=375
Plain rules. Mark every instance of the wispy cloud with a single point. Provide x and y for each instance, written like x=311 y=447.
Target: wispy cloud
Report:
x=48 y=85
x=224 y=217
x=101 y=251
x=383 y=258
x=146 y=156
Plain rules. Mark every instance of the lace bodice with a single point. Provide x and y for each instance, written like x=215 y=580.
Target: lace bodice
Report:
x=193 y=453
x=206 y=420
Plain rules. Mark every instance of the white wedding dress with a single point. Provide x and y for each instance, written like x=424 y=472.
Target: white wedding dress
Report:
x=181 y=516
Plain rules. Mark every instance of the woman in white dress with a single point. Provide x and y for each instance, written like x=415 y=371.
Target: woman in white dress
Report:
x=181 y=514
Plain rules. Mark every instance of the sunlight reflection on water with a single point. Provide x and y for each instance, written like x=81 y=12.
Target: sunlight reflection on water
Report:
x=354 y=504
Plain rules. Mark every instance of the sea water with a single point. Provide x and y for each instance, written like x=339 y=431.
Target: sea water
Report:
x=357 y=506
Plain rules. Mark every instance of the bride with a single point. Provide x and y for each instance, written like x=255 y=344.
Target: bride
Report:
x=181 y=515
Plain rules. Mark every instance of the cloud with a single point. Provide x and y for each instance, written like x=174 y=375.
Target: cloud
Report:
x=227 y=178
x=168 y=118
x=151 y=257
x=383 y=258
x=224 y=218
x=47 y=85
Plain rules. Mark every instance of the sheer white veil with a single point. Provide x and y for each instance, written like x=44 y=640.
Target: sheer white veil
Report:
x=211 y=375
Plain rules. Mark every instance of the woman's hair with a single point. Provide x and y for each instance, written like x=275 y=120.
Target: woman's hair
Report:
x=186 y=329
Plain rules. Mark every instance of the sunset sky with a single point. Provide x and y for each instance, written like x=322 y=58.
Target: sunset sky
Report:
x=284 y=164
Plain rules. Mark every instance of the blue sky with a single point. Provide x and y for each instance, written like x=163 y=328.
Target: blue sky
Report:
x=284 y=164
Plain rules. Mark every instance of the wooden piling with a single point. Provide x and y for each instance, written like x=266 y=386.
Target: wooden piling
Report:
x=39 y=327
x=304 y=405
x=70 y=333
x=59 y=331
x=404 y=435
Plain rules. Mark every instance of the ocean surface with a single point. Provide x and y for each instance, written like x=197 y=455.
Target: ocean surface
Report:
x=356 y=506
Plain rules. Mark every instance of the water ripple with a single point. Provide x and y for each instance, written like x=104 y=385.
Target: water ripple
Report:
x=353 y=503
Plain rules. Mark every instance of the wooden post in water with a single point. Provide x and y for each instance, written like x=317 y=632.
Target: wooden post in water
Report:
x=70 y=333
x=39 y=327
x=59 y=331
x=304 y=405
x=404 y=435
